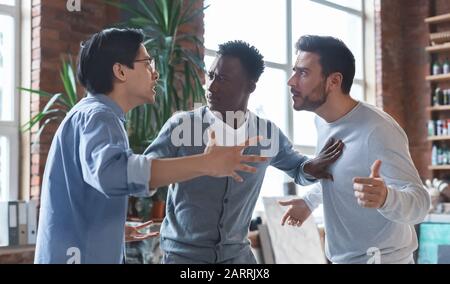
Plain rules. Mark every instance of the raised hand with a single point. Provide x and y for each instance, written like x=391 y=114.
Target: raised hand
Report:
x=318 y=166
x=371 y=192
x=297 y=213
x=133 y=234
x=227 y=161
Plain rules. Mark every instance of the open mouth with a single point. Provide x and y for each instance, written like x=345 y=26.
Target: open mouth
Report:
x=295 y=94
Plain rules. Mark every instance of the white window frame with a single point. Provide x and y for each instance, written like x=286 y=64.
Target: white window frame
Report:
x=10 y=129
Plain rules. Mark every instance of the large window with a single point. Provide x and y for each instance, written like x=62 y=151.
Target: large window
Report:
x=9 y=74
x=274 y=27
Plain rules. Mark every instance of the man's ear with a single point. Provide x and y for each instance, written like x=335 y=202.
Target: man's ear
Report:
x=335 y=81
x=118 y=72
x=251 y=86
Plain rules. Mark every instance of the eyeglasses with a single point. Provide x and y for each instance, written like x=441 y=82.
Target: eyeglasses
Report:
x=150 y=63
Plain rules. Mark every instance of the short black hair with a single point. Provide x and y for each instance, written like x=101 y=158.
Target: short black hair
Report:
x=252 y=61
x=101 y=51
x=335 y=56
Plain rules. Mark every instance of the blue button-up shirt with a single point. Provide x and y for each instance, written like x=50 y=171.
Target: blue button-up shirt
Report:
x=89 y=174
x=207 y=219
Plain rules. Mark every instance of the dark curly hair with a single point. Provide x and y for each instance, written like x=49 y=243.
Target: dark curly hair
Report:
x=252 y=61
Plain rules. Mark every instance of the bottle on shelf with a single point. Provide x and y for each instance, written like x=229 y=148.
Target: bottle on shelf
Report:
x=439 y=128
x=448 y=157
x=446 y=66
x=431 y=128
x=439 y=156
x=444 y=127
x=434 y=155
x=438 y=97
x=437 y=68
x=444 y=97
x=444 y=155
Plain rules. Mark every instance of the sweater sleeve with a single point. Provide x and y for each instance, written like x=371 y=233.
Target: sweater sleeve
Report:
x=407 y=201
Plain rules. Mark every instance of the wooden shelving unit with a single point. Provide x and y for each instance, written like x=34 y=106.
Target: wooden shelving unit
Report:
x=438 y=19
x=439 y=48
x=438 y=108
x=438 y=78
x=439 y=138
x=439 y=168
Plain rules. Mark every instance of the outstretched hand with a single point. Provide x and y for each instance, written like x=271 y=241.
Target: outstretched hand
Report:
x=227 y=161
x=318 y=166
x=133 y=234
x=297 y=213
x=371 y=192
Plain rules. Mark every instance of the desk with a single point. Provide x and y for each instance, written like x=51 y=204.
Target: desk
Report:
x=17 y=255
x=437 y=218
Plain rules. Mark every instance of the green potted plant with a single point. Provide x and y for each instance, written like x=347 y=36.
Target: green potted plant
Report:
x=180 y=65
x=59 y=104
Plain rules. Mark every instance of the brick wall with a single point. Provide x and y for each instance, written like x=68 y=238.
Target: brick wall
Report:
x=402 y=65
x=57 y=32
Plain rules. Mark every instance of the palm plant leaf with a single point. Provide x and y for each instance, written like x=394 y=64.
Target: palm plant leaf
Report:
x=58 y=105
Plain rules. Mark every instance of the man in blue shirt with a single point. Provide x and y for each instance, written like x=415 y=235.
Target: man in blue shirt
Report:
x=207 y=219
x=91 y=171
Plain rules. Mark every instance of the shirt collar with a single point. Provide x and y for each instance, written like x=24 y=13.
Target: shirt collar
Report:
x=213 y=119
x=110 y=103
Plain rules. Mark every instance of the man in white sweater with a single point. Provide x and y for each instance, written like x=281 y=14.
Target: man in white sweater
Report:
x=377 y=196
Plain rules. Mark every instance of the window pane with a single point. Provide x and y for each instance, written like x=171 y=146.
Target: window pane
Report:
x=308 y=18
x=7 y=2
x=354 y=4
x=6 y=67
x=4 y=175
x=269 y=99
x=208 y=62
x=357 y=92
x=305 y=133
x=261 y=23
x=272 y=186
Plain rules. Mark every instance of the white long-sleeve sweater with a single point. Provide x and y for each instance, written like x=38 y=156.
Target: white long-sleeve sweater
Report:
x=353 y=233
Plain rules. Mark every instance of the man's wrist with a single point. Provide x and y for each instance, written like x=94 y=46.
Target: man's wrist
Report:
x=307 y=167
x=384 y=203
x=202 y=162
x=307 y=170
